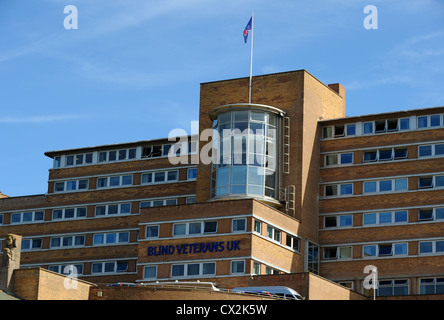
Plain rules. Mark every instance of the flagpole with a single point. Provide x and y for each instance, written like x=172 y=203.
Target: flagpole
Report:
x=251 y=58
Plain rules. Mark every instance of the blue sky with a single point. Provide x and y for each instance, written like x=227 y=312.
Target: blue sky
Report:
x=132 y=70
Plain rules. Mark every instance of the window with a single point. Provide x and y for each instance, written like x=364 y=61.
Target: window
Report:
x=109 y=267
x=338 y=221
x=69 y=213
x=431 y=247
x=344 y=189
x=57 y=162
x=385 y=185
x=385 y=218
x=293 y=242
x=190 y=200
x=115 y=182
x=150 y=272
x=431 y=285
x=425 y=214
x=158 y=203
x=258 y=226
x=404 y=124
x=327 y=132
x=256 y=268
x=69 y=186
x=152 y=151
x=152 y=232
x=111 y=238
x=385 y=249
x=385 y=154
x=117 y=155
x=274 y=234
x=339 y=159
x=113 y=209
x=312 y=257
x=430 y=121
x=430 y=182
x=31 y=244
x=351 y=129
x=67 y=241
x=392 y=288
x=193 y=269
x=435 y=150
x=334 y=253
x=237 y=266
x=27 y=217
x=425 y=182
x=193 y=228
x=160 y=177
x=368 y=127
x=70 y=269
x=339 y=130
x=192 y=174
x=239 y=225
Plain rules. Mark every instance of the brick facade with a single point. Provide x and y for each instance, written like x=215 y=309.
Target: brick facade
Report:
x=126 y=213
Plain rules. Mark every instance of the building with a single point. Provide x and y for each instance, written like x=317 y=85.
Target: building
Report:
x=287 y=188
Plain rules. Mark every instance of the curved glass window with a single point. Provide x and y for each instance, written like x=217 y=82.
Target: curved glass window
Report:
x=245 y=152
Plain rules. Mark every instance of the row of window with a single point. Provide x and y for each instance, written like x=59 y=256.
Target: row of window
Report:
x=101 y=157
x=194 y=269
x=166 y=176
x=384 y=218
x=383 y=126
x=81 y=212
x=384 y=154
x=400 y=287
x=275 y=234
x=196 y=228
x=384 y=250
x=99 y=239
x=383 y=186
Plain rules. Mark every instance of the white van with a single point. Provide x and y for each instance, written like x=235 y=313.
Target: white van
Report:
x=273 y=291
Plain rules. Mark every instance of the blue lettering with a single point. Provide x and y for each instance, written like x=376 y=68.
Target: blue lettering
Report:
x=233 y=245
x=194 y=248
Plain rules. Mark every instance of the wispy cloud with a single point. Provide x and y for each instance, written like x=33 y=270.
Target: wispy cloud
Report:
x=40 y=119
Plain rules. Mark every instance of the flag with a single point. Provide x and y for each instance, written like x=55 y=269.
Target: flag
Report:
x=247 y=29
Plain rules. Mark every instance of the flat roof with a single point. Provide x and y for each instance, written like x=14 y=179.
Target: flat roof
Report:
x=411 y=112
x=54 y=153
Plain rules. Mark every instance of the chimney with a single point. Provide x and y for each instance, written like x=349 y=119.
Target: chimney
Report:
x=338 y=88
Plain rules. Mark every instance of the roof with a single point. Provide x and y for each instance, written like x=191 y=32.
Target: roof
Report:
x=386 y=115
x=54 y=153
x=5 y=296
x=3 y=195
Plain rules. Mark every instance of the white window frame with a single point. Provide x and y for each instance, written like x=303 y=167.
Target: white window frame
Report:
x=233 y=223
x=152 y=226
x=144 y=273
x=202 y=228
x=232 y=265
x=33 y=219
x=110 y=243
x=115 y=271
x=73 y=241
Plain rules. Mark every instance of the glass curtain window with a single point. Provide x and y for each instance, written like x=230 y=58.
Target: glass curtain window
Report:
x=246 y=149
